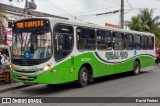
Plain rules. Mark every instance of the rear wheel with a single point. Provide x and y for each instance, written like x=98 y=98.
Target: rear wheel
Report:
x=136 y=68
x=83 y=77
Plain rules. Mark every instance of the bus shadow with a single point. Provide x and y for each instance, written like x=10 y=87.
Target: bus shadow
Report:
x=116 y=77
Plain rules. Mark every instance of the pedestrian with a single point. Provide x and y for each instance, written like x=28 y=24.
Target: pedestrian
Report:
x=5 y=60
x=157 y=57
x=0 y=59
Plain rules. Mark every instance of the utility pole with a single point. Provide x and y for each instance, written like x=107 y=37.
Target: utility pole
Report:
x=29 y=5
x=25 y=9
x=122 y=14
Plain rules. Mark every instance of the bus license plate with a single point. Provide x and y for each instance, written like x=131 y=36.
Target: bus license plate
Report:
x=24 y=77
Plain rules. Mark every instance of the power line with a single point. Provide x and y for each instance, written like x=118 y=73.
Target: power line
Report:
x=60 y=8
x=137 y=9
x=129 y=4
x=102 y=14
x=111 y=12
x=46 y=5
x=94 y=10
x=51 y=5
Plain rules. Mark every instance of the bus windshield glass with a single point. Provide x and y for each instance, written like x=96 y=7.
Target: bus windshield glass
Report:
x=34 y=43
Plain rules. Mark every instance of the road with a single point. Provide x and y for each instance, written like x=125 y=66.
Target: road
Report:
x=147 y=84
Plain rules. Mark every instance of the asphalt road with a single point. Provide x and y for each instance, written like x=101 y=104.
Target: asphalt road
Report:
x=147 y=84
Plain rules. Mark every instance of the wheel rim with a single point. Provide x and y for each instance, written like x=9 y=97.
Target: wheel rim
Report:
x=84 y=77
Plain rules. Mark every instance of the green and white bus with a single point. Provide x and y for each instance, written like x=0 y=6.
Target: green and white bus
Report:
x=54 y=51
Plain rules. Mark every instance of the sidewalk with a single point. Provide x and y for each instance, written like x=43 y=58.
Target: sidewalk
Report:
x=151 y=68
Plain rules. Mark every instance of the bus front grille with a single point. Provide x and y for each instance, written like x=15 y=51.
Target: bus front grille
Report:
x=25 y=71
x=30 y=78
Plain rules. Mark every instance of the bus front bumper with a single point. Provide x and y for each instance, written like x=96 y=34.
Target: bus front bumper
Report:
x=43 y=78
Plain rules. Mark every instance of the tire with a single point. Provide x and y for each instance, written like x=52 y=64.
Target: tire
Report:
x=136 y=68
x=83 y=77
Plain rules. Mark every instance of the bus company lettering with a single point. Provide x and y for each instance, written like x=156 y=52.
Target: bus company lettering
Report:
x=116 y=55
x=85 y=59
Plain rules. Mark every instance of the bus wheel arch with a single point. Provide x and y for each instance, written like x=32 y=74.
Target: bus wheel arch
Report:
x=136 y=67
x=89 y=73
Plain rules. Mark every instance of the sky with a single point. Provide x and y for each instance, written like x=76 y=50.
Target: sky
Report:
x=86 y=10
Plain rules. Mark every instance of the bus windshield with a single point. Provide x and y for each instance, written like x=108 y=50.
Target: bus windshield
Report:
x=32 y=44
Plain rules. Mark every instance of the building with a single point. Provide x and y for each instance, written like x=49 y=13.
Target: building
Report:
x=13 y=13
x=111 y=25
x=3 y=23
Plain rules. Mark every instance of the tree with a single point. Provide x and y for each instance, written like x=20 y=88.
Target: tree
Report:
x=146 y=16
x=135 y=24
x=145 y=22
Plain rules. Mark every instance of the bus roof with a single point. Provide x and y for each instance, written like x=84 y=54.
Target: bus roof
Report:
x=85 y=24
x=99 y=27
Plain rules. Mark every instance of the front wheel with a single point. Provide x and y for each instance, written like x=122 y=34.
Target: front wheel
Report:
x=136 y=68
x=83 y=77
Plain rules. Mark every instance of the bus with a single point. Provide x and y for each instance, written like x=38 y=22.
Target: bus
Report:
x=54 y=51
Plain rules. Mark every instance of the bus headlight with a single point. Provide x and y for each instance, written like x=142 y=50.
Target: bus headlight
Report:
x=44 y=69
x=12 y=67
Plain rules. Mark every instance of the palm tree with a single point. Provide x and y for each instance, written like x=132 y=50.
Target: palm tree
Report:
x=135 y=24
x=145 y=20
x=151 y=23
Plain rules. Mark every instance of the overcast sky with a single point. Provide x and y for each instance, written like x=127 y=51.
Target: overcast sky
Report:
x=85 y=10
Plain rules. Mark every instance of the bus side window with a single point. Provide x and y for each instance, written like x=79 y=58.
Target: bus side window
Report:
x=63 y=41
x=86 y=38
x=137 y=42
x=104 y=40
x=118 y=41
x=151 y=43
x=129 y=41
x=145 y=42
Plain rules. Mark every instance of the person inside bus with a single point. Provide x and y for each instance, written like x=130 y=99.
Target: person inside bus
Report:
x=109 y=46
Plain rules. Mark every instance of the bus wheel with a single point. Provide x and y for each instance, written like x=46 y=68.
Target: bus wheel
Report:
x=136 y=68
x=83 y=77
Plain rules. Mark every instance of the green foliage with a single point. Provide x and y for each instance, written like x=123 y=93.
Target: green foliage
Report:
x=145 y=22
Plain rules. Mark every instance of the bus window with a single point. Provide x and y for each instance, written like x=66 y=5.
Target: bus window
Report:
x=104 y=40
x=86 y=38
x=118 y=41
x=137 y=42
x=63 y=41
x=144 y=42
x=151 y=43
x=129 y=41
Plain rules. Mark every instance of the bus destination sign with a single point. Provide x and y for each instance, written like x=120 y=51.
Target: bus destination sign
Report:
x=30 y=24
